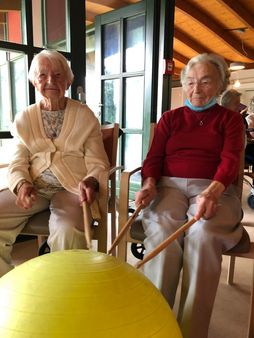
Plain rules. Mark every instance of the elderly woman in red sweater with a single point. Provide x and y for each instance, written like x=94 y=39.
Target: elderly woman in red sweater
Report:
x=189 y=172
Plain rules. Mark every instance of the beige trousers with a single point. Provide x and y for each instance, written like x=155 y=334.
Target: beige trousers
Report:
x=198 y=252
x=65 y=223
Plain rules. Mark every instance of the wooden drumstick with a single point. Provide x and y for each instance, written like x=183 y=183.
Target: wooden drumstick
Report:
x=87 y=225
x=125 y=228
x=166 y=242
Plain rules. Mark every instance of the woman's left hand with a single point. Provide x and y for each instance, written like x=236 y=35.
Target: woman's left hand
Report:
x=207 y=205
x=88 y=189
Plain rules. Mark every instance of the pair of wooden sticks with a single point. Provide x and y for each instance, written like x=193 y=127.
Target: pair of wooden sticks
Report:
x=160 y=247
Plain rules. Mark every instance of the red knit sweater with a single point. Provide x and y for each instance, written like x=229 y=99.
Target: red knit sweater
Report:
x=183 y=148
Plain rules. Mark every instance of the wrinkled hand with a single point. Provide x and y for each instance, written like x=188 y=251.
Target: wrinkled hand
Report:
x=145 y=195
x=207 y=205
x=26 y=196
x=88 y=189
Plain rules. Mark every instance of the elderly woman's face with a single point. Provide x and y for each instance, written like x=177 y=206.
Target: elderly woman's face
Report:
x=202 y=83
x=50 y=82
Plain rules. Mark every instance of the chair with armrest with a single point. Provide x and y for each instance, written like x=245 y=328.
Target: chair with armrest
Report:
x=38 y=223
x=135 y=235
x=110 y=134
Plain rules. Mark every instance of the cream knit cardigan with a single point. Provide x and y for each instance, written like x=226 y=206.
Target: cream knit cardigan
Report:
x=77 y=152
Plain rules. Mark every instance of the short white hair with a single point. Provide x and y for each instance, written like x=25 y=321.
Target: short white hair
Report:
x=55 y=59
x=213 y=59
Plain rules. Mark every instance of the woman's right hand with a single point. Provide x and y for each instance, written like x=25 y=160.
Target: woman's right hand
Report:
x=26 y=196
x=147 y=193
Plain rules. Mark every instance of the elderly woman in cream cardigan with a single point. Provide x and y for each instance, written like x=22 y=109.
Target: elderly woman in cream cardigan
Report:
x=58 y=158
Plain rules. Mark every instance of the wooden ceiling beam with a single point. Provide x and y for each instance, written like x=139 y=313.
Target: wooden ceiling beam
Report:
x=249 y=65
x=113 y=4
x=90 y=16
x=177 y=71
x=188 y=41
x=214 y=27
x=239 y=11
x=179 y=57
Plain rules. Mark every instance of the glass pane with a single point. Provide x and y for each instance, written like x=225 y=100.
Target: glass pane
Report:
x=111 y=48
x=5 y=96
x=51 y=16
x=37 y=23
x=19 y=85
x=134 y=107
x=92 y=95
x=13 y=86
x=133 y=150
x=135 y=44
x=11 y=21
x=111 y=101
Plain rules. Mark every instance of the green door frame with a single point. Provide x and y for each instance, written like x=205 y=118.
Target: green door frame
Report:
x=151 y=9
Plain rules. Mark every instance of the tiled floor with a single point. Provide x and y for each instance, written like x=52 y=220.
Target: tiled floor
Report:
x=230 y=316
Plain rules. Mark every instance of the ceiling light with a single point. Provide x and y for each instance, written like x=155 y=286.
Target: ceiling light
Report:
x=237 y=84
x=236 y=66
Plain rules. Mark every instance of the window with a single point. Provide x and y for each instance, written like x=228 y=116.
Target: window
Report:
x=22 y=36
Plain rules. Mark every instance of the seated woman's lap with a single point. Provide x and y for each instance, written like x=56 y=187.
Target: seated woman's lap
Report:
x=66 y=211
x=12 y=214
x=176 y=202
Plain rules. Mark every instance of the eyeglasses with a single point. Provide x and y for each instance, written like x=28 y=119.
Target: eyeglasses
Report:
x=203 y=83
x=44 y=76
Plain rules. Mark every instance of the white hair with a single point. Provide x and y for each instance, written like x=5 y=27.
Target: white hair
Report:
x=55 y=59
x=213 y=59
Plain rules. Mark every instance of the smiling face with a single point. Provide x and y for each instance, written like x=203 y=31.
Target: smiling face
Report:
x=202 y=83
x=50 y=80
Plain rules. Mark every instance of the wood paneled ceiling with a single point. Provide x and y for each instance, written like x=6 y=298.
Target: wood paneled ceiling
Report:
x=225 y=27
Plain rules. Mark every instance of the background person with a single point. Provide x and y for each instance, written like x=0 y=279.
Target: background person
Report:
x=250 y=116
x=188 y=172
x=58 y=158
x=231 y=99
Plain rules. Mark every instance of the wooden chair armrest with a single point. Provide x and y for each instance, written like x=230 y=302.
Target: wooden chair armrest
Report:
x=124 y=195
x=114 y=169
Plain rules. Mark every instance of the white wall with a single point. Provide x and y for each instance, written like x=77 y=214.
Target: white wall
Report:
x=246 y=79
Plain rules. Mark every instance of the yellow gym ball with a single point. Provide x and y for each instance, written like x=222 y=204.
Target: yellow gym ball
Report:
x=80 y=293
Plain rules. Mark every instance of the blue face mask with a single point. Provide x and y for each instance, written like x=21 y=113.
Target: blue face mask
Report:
x=209 y=104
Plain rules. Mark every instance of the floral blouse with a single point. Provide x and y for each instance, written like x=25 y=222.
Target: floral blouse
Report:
x=52 y=122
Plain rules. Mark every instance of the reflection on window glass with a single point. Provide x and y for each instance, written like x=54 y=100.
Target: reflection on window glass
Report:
x=13 y=95
x=51 y=16
x=133 y=150
x=11 y=21
x=13 y=87
x=92 y=95
x=56 y=24
x=37 y=23
x=135 y=45
x=5 y=96
x=134 y=107
x=111 y=48
x=111 y=101
x=19 y=86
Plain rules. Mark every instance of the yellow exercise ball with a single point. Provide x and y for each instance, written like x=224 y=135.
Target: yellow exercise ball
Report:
x=81 y=293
